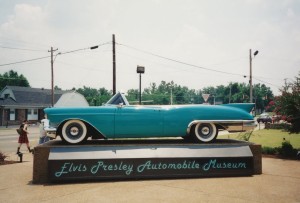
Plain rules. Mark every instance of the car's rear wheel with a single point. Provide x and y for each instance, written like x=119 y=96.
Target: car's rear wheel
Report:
x=205 y=132
x=74 y=131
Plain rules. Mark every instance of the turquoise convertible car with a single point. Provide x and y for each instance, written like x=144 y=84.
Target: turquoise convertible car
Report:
x=118 y=119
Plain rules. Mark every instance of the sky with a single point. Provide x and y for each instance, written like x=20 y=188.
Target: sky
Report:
x=195 y=43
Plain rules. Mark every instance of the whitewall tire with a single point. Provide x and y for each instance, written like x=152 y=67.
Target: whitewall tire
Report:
x=74 y=131
x=205 y=132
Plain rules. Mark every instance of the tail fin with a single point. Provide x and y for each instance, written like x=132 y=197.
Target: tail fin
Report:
x=244 y=106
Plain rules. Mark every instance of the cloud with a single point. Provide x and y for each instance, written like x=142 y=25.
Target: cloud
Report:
x=195 y=31
x=27 y=22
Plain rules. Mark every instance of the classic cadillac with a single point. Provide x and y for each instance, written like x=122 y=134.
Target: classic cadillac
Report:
x=118 y=119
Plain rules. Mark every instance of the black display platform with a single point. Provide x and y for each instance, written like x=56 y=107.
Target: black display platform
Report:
x=149 y=158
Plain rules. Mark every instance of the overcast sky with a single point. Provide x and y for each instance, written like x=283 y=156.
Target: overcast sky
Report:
x=194 y=43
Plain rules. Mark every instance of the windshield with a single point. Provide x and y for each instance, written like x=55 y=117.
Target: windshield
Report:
x=117 y=99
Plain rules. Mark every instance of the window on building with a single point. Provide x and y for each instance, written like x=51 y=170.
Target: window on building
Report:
x=12 y=114
x=32 y=114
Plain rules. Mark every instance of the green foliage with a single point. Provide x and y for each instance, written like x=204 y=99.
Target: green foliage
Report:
x=287 y=150
x=169 y=92
x=95 y=97
x=288 y=104
x=273 y=142
x=281 y=126
x=269 y=138
x=269 y=150
x=12 y=78
x=133 y=96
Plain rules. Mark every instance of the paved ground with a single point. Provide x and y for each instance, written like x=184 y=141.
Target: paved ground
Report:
x=280 y=182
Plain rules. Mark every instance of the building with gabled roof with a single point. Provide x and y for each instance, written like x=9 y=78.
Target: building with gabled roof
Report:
x=20 y=103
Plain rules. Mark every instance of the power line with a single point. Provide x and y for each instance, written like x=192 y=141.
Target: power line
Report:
x=5 y=47
x=14 y=41
x=266 y=82
x=192 y=65
x=92 y=47
x=181 y=62
x=67 y=52
x=35 y=59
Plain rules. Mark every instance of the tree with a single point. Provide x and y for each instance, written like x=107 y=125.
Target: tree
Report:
x=262 y=95
x=95 y=97
x=169 y=92
x=288 y=104
x=57 y=88
x=133 y=95
x=12 y=78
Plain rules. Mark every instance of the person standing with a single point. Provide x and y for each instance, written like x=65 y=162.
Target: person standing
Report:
x=43 y=134
x=23 y=138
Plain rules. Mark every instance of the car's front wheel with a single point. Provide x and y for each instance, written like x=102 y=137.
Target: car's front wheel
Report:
x=74 y=132
x=205 y=132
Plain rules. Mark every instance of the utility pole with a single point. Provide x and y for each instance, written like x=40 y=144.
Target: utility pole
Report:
x=230 y=93
x=140 y=70
x=250 y=80
x=52 y=76
x=285 y=85
x=114 y=64
x=171 y=97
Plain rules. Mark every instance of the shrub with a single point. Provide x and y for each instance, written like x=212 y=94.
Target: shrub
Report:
x=269 y=150
x=283 y=126
x=287 y=150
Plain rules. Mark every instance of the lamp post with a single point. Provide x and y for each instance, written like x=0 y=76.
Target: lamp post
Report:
x=250 y=80
x=52 y=71
x=140 y=70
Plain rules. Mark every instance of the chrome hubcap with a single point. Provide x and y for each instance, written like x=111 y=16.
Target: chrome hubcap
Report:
x=74 y=131
x=205 y=130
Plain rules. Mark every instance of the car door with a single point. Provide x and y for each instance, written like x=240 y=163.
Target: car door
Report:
x=138 y=121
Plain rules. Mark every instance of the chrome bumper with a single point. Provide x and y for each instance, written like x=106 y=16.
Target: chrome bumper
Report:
x=244 y=126
x=51 y=132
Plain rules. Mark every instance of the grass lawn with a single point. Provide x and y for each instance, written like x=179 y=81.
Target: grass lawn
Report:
x=268 y=138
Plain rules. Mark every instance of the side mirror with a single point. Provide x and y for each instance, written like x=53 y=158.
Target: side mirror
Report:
x=120 y=105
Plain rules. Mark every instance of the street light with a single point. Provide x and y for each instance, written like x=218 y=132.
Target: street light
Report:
x=250 y=81
x=140 y=70
x=52 y=71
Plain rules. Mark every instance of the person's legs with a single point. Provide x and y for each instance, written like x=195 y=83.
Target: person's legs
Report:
x=28 y=147
x=41 y=141
x=46 y=139
x=18 y=149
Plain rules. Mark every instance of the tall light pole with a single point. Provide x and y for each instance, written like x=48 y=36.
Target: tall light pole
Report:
x=114 y=64
x=140 y=70
x=250 y=79
x=52 y=71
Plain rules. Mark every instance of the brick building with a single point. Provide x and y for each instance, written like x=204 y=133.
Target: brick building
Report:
x=20 y=103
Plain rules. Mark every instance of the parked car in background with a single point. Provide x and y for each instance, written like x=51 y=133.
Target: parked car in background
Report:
x=118 y=119
x=264 y=118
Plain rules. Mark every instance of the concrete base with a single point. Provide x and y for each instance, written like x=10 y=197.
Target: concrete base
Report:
x=42 y=152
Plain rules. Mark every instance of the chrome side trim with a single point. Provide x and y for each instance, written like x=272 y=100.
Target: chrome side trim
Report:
x=54 y=131
x=229 y=125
